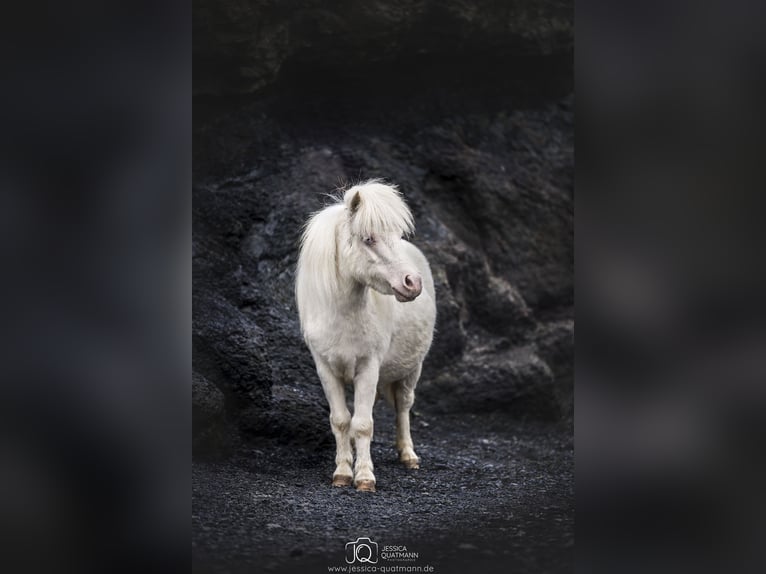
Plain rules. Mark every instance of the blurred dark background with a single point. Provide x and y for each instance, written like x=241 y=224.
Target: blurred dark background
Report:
x=671 y=352
x=95 y=297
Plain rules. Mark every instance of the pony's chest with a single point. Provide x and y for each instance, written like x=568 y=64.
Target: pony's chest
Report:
x=343 y=343
x=361 y=339
x=344 y=357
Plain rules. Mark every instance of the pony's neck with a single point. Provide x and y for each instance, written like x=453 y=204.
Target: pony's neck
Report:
x=353 y=296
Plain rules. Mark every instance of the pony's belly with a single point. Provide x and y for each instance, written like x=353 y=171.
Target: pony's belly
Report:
x=403 y=358
x=392 y=373
x=410 y=340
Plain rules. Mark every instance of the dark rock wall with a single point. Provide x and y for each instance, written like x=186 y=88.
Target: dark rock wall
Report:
x=467 y=106
x=240 y=46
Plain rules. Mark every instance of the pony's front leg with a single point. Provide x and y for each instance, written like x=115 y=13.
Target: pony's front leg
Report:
x=404 y=393
x=365 y=390
x=340 y=420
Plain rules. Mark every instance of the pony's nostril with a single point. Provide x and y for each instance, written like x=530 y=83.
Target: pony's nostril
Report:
x=412 y=283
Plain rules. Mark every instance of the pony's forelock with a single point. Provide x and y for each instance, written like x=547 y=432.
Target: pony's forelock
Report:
x=377 y=208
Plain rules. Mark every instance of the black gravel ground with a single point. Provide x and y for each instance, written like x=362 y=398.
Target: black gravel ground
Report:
x=492 y=495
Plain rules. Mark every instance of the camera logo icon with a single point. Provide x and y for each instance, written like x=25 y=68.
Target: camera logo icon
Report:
x=362 y=550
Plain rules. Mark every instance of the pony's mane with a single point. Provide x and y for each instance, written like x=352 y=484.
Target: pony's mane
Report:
x=377 y=208
x=316 y=276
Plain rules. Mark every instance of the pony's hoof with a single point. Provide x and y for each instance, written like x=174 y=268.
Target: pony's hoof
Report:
x=366 y=486
x=411 y=463
x=340 y=480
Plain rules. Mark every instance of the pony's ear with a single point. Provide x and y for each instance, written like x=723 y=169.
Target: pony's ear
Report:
x=356 y=201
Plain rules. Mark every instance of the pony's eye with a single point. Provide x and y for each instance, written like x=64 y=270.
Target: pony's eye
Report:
x=369 y=240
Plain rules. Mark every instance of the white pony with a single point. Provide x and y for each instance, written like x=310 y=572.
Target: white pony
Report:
x=367 y=310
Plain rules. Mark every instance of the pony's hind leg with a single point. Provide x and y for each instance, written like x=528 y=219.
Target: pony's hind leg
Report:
x=405 y=397
x=340 y=420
